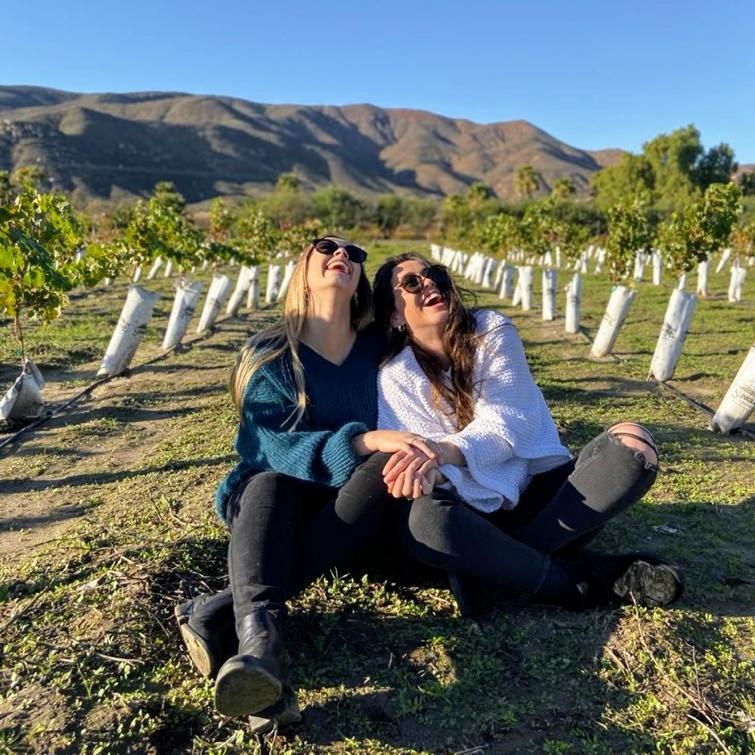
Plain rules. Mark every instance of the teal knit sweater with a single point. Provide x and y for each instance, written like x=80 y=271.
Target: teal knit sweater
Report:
x=341 y=403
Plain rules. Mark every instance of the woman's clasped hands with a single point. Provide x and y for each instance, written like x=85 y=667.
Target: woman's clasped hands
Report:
x=413 y=468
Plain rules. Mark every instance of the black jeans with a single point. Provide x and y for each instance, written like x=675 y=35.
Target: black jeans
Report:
x=286 y=532
x=560 y=509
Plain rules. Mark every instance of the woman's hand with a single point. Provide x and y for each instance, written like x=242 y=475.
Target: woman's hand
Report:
x=408 y=486
x=410 y=474
x=392 y=441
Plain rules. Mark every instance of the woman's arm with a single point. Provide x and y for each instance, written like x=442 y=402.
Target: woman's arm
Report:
x=511 y=419
x=322 y=456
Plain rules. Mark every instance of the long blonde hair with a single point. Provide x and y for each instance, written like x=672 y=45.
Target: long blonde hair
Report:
x=282 y=338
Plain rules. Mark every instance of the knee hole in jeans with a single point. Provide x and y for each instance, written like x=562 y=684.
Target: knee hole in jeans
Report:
x=631 y=435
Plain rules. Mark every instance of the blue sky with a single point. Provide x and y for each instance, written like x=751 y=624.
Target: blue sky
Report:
x=595 y=74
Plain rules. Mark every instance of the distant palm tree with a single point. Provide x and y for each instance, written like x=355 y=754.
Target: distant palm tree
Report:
x=528 y=182
x=563 y=189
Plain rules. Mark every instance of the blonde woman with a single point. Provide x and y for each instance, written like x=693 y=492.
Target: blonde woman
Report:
x=304 y=495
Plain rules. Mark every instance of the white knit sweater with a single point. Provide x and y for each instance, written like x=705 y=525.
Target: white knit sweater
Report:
x=512 y=435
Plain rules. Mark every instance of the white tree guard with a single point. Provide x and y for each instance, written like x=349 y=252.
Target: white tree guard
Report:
x=184 y=304
x=273 y=280
x=219 y=290
x=156 y=265
x=639 y=266
x=287 y=274
x=702 y=278
x=739 y=401
x=205 y=264
x=137 y=274
x=736 y=283
x=107 y=281
x=239 y=292
x=487 y=272
x=724 y=259
x=499 y=274
x=132 y=323
x=168 y=268
x=573 y=297
x=253 y=295
x=616 y=312
x=558 y=256
x=507 y=282
x=601 y=258
x=526 y=276
x=435 y=252
x=469 y=267
x=674 y=330
x=23 y=401
x=657 y=268
x=547 y=259
x=516 y=297
x=682 y=282
x=550 y=281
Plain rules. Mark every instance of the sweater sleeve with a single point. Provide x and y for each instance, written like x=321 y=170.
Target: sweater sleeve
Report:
x=324 y=456
x=511 y=418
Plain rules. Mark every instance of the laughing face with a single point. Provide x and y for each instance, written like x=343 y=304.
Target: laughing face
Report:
x=335 y=272
x=419 y=304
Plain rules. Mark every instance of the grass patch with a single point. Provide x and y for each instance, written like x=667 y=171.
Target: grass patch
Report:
x=92 y=662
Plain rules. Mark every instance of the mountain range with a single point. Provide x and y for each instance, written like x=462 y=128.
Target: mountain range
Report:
x=114 y=146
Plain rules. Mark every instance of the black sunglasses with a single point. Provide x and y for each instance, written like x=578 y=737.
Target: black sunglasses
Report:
x=328 y=246
x=412 y=283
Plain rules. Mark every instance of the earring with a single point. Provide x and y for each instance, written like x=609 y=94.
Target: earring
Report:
x=355 y=300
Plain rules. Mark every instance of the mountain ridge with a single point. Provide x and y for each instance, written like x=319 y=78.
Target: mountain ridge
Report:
x=115 y=145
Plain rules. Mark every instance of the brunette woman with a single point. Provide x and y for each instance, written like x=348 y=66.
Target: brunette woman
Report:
x=505 y=500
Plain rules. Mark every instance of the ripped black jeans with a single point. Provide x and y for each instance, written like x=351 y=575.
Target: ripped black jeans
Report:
x=560 y=510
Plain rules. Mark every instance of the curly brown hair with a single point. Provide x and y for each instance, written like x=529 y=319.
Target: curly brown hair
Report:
x=459 y=339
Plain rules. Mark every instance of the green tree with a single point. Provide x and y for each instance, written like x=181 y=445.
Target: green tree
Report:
x=629 y=231
x=420 y=214
x=528 y=182
x=39 y=238
x=616 y=183
x=701 y=228
x=389 y=213
x=563 y=189
x=287 y=183
x=256 y=235
x=717 y=165
x=675 y=168
x=338 y=209
x=221 y=221
x=477 y=195
x=747 y=183
x=501 y=233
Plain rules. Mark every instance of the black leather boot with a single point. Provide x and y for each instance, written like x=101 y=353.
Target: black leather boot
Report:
x=283 y=713
x=641 y=578
x=253 y=680
x=207 y=627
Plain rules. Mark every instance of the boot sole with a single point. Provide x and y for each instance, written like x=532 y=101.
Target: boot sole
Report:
x=200 y=652
x=649 y=584
x=288 y=715
x=244 y=687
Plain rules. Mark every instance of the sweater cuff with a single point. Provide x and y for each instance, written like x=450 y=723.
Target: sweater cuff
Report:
x=343 y=458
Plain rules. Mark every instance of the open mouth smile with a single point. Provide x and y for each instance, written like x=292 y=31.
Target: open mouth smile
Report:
x=433 y=299
x=340 y=266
